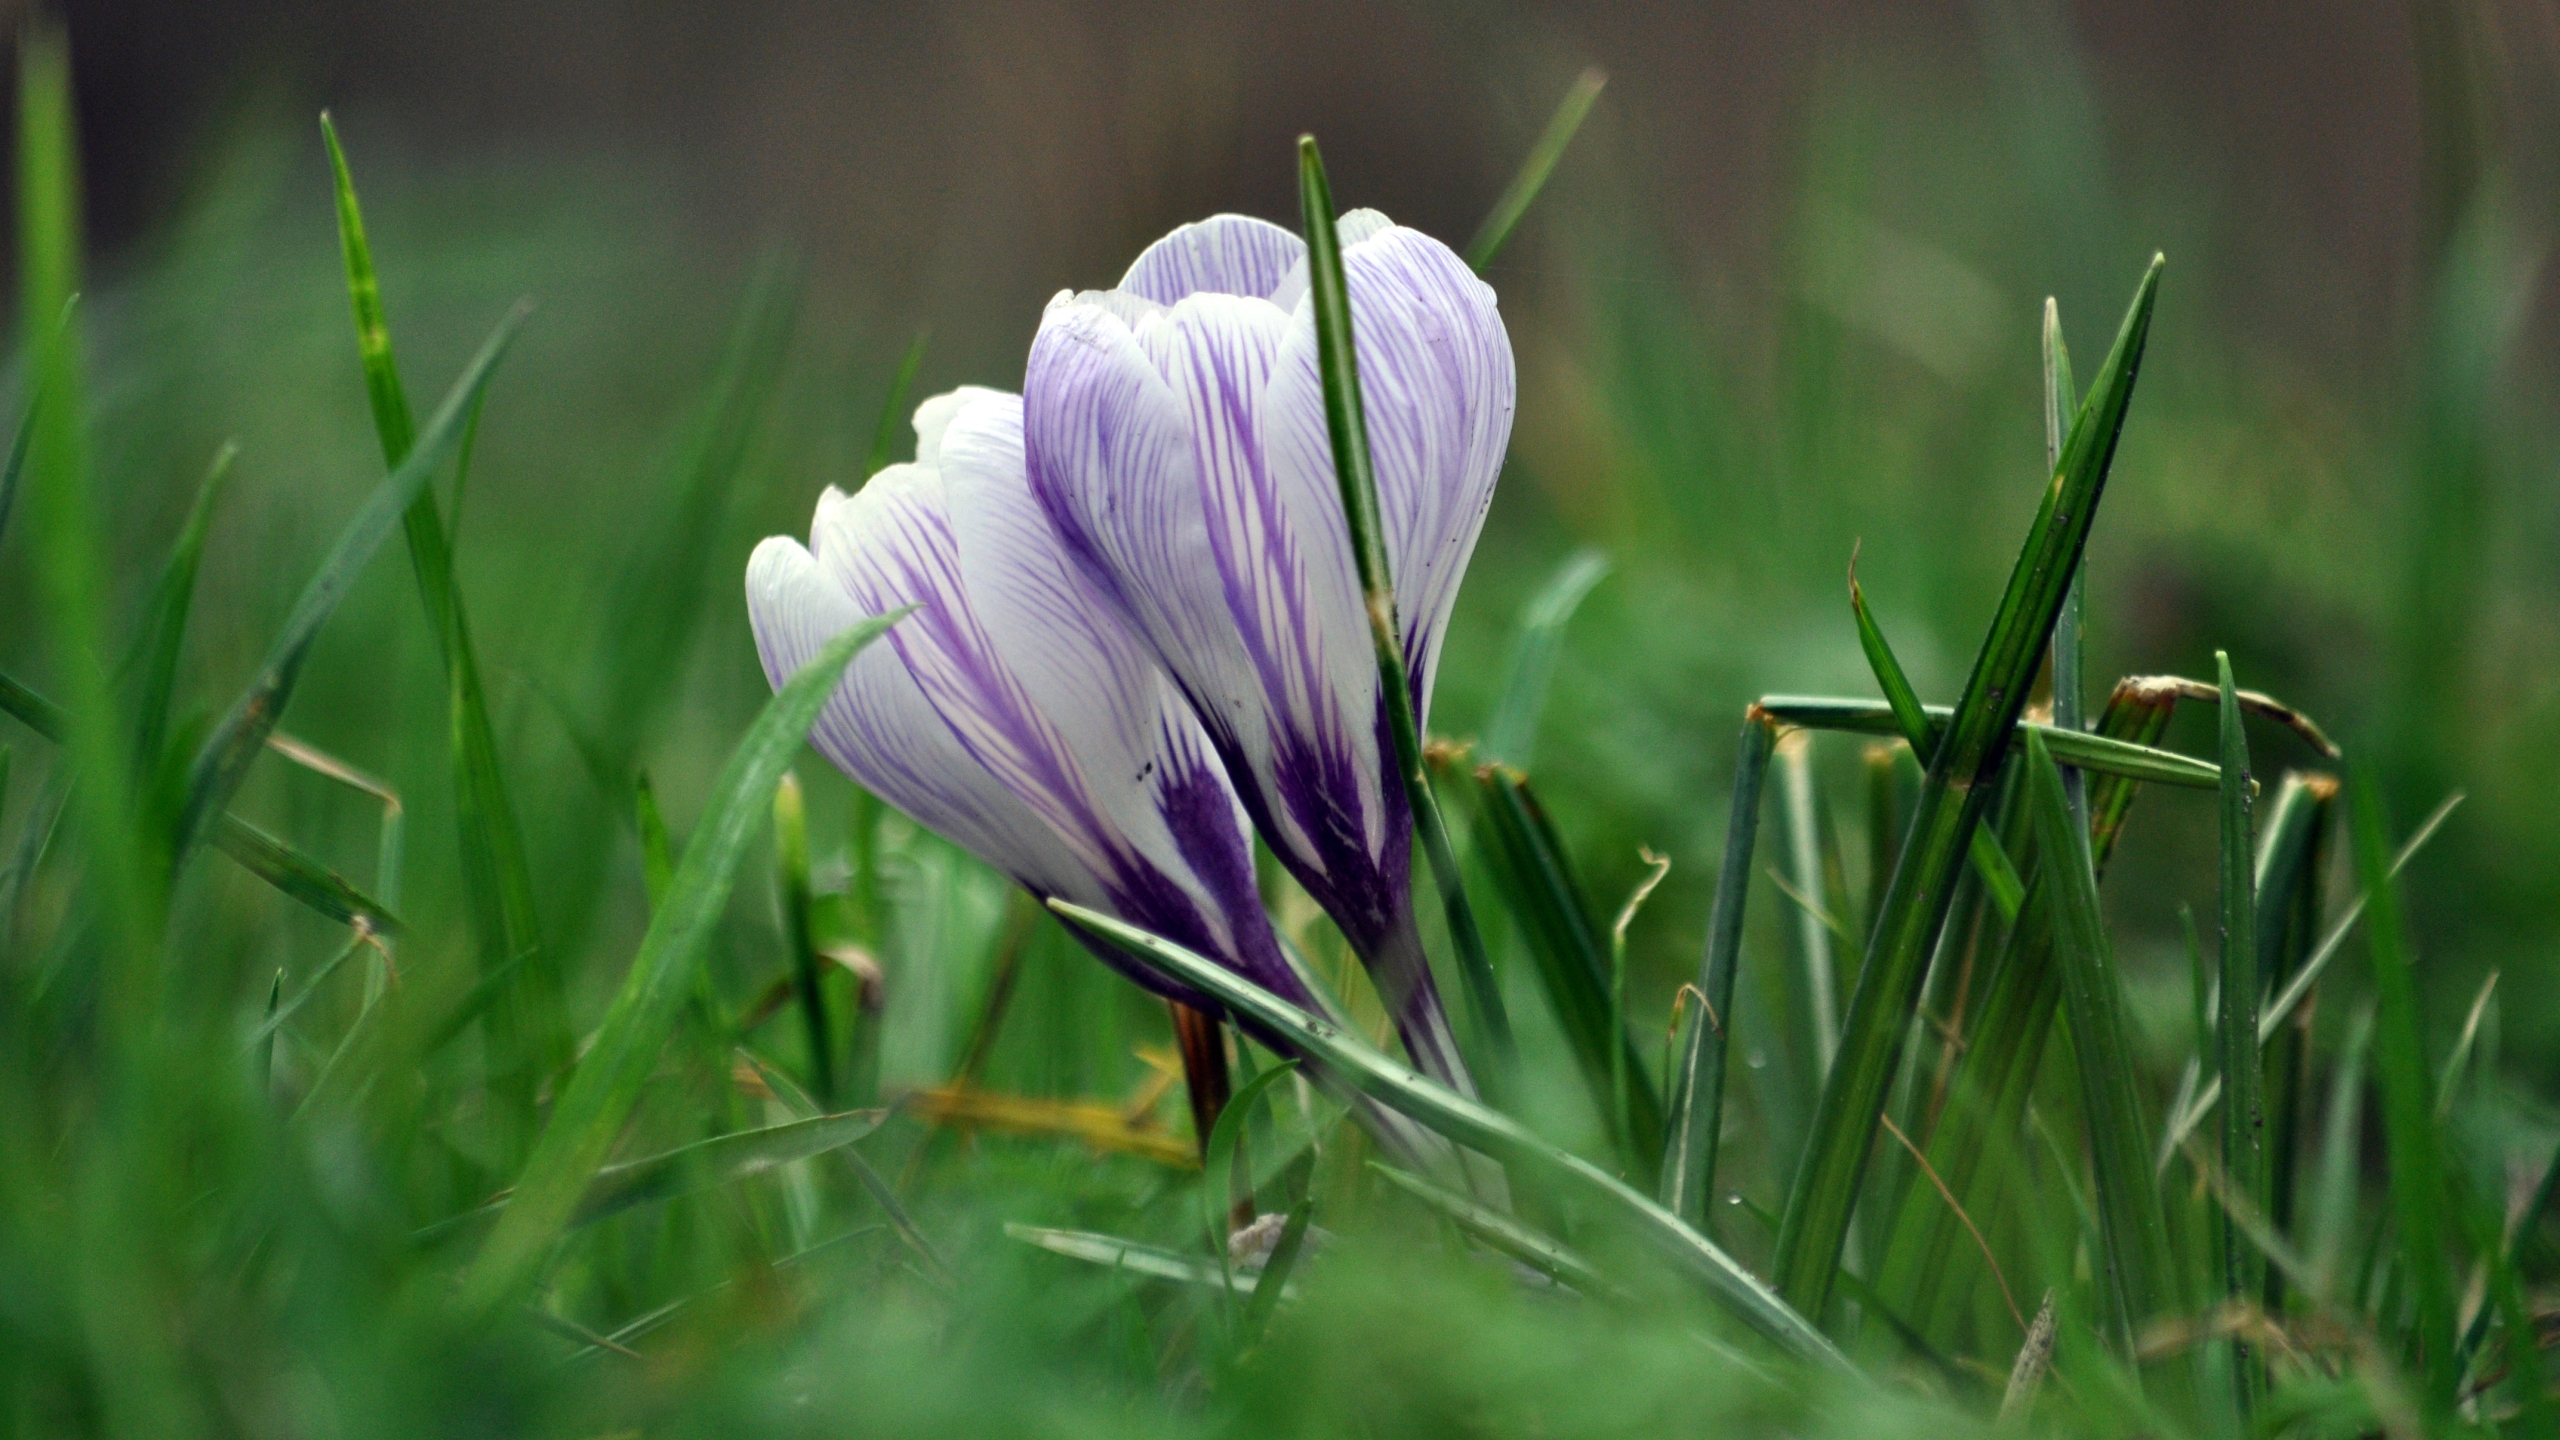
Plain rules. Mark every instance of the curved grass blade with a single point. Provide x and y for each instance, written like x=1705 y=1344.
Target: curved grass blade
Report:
x=1524 y=187
x=1537 y=880
x=2139 y=1270
x=1218 y=1158
x=154 y=658
x=1134 y=1256
x=16 y=465
x=791 y=861
x=2410 y=1135
x=893 y=410
x=2236 y=1043
x=1360 y=1067
x=1963 y=773
x=1329 y=295
x=1695 y=1122
x=301 y=877
x=1273 y=1282
x=1511 y=736
x=530 y=1033
x=1542 y=1253
x=2082 y=749
x=607 y=1082
x=224 y=761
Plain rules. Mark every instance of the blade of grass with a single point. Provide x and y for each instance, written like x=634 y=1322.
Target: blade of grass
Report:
x=608 y=1080
x=791 y=861
x=1524 y=187
x=893 y=410
x=21 y=439
x=2415 y=1149
x=1218 y=1161
x=66 y=541
x=1511 y=736
x=2244 y=1164
x=1361 y=1067
x=2139 y=1271
x=531 y=1034
x=1536 y=878
x=2084 y=750
x=164 y=626
x=1963 y=773
x=1329 y=297
x=1694 y=1122
x=2290 y=998
x=2333 y=1202
x=1540 y=1252
x=1818 y=971
x=872 y=1181
x=2292 y=862
x=2061 y=399
x=301 y=877
x=1999 y=876
x=224 y=761
x=1274 y=1279
x=1134 y=1256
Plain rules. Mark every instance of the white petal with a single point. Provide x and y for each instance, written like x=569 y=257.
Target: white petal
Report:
x=1224 y=254
x=880 y=729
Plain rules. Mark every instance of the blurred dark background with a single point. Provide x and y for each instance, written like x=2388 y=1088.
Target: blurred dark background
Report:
x=1781 y=298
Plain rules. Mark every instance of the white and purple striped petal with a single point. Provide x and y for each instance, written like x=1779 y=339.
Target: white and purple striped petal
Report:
x=1012 y=712
x=1176 y=436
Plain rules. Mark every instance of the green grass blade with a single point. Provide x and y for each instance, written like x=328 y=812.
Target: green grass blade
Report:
x=1540 y=1252
x=1962 y=776
x=224 y=761
x=1694 y=1122
x=164 y=615
x=1273 y=1282
x=1511 y=736
x=2140 y=1271
x=2244 y=1161
x=657 y=856
x=1817 y=970
x=893 y=410
x=1136 y=1257
x=608 y=1080
x=1329 y=296
x=791 y=862
x=21 y=440
x=2061 y=399
x=1524 y=187
x=2411 y=1138
x=2333 y=1200
x=531 y=1036
x=1357 y=1065
x=2082 y=749
x=301 y=877
x=1563 y=939
x=1218 y=1157
x=2288 y=1001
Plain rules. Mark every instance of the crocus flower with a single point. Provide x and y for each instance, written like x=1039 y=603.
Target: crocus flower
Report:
x=1013 y=713
x=1175 y=432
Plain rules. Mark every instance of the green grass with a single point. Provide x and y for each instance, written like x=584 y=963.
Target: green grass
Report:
x=388 y=1044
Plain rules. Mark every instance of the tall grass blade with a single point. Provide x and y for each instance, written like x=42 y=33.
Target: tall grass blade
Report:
x=301 y=877
x=702 y=1165
x=1962 y=775
x=1329 y=295
x=1694 y=1120
x=156 y=649
x=1219 y=1163
x=2061 y=399
x=1818 y=971
x=224 y=761
x=1563 y=939
x=1533 y=1248
x=1524 y=187
x=2140 y=1272
x=791 y=862
x=1359 y=1066
x=607 y=1082
x=2411 y=1140
x=2244 y=1162
x=893 y=410
x=2333 y=1199
x=1511 y=736
x=21 y=439
x=531 y=1036
x=2085 y=750
x=1273 y=1282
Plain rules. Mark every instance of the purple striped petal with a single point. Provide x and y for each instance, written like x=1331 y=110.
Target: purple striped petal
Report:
x=1012 y=712
x=1224 y=254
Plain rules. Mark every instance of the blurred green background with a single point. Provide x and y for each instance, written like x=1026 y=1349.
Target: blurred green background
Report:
x=1780 y=301
x=1781 y=298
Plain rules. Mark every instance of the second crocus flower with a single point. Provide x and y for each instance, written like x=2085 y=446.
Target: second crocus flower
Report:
x=1174 y=430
